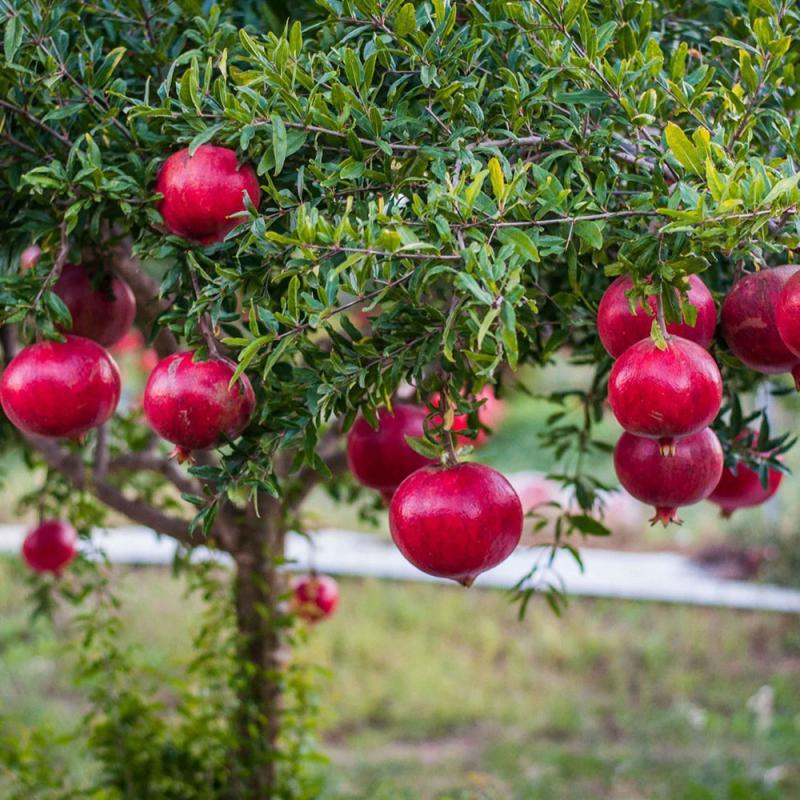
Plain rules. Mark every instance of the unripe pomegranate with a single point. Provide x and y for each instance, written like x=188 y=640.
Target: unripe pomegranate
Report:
x=30 y=256
x=742 y=488
x=787 y=314
x=456 y=522
x=686 y=477
x=381 y=459
x=50 y=546
x=203 y=192
x=665 y=394
x=190 y=404
x=60 y=389
x=749 y=322
x=314 y=597
x=104 y=311
x=619 y=329
x=490 y=413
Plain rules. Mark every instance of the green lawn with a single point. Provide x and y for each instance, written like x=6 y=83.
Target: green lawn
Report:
x=438 y=692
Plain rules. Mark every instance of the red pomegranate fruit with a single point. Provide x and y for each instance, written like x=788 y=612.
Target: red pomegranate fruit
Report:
x=741 y=487
x=749 y=322
x=50 y=546
x=314 y=597
x=687 y=477
x=190 y=404
x=60 y=389
x=103 y=310
x=381 y=459
x=456 y=522
x=787 y=314
x=490 y=412
x=204 y=192
x=665 y=394
x=618 y=328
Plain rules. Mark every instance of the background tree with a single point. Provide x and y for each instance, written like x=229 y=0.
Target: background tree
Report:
x=470 y=173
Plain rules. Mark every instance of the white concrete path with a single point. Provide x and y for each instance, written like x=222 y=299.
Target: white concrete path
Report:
x=657 y=576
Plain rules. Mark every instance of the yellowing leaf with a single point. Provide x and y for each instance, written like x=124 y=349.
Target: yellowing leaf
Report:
x=683 y=150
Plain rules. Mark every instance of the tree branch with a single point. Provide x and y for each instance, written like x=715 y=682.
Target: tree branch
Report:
x=135 y=462
x=76 y=473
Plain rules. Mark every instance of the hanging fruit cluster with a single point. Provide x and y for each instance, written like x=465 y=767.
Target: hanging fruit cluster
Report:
x=666 y=390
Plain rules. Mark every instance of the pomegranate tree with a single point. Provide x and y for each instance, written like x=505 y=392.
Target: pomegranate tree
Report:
x=102 y=307
x=50 y=546
x=619 y=328
x=314 y=597
x=191 y=403
x=60 y=389
x=456 y=521
x=204 y=192
x=685 y=478
x=256 y=181
x=665 y=394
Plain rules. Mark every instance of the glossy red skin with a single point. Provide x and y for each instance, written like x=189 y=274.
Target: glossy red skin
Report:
x=202 y=192
x=189 y=403
x=490 y=413
x=665 y=394
x=314 y=597
x=668 y=482
x=381 y=459
x=749 y=322
x=50 y=546
x=743 y=489
x=456 y=522
x=619 y=329
x=60 y=389
x=787 y=314
x=103 y=314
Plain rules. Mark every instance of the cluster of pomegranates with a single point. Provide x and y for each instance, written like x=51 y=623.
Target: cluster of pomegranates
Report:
x=665 y=397
x=452 y=521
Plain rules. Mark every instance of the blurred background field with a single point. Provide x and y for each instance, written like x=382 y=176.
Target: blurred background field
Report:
x=438 y=692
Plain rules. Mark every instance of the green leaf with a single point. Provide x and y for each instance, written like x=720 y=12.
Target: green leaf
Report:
x=683 y=150
x=424 y=447
x=588 y=525
x=523 y=244
x=406 y=20
x=590 y=232
x=12 y=38
x=279 y=142
x=657 y=335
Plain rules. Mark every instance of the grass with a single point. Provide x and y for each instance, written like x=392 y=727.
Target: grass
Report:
x=438 y=692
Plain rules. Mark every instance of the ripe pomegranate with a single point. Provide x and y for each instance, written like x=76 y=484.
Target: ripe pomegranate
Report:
x=741 y=488
x=490 y=413
x=314 y=597
x=101 y=311
x=456 y=522
x=60 y=389
x=687 y=477
x=50 y=546
x=381 y=459
x=787 y=314
x=204 y=191
x=749 y=322
x=188 y=402
x=619 y=329
x=665 y=394
x=30 y=256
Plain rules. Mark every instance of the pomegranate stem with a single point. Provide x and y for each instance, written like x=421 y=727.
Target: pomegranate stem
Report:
x=662 y=322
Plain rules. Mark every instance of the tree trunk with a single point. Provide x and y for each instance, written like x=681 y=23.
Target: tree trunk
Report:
x=258 y=589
